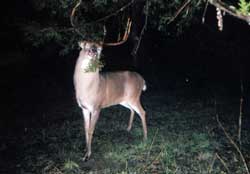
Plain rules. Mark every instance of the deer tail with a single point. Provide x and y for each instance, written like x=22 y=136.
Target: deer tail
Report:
x=144 y=88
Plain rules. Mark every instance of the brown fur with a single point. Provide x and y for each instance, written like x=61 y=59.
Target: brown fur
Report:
x=95 y=91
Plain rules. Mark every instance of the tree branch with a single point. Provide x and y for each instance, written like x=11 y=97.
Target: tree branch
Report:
x=114 y=13
x=223 y=162
x=231 y=11
x=241 y=110
x=142 y=31
x=179 y=11
x=204 y=12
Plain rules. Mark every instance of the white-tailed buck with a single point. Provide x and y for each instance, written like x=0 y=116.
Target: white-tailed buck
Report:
x=95 y=90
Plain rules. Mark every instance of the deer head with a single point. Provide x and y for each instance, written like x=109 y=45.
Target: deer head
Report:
x=90 y=55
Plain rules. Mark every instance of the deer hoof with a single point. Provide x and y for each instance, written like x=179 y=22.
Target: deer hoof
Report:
x=128 y=129
x=86 y=157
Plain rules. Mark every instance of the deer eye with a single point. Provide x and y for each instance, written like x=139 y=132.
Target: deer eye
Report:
x=93 y=49
x=87 y=46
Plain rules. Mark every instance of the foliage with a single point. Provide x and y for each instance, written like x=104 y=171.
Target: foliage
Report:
x=51 y=19
x=162 y=11
x=94 y=65
x=244 y=7
x=70 y=165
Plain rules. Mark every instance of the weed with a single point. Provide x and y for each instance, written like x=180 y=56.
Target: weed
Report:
x=181 y=139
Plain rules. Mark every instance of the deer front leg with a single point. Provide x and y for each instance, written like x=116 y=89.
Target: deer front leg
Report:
x=86 y=116
x=92 y=123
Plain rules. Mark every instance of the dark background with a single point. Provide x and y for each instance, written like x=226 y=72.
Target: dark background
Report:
x=35 y=79
x=199 y=57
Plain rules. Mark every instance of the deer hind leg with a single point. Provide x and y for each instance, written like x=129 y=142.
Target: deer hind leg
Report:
x=131 y=119
x=140 y=111
x=92 y=122
x=132 y=113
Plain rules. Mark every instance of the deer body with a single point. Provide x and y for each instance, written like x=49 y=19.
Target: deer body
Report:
x=95 y=90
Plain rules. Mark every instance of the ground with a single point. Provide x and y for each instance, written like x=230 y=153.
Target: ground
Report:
x=183 y=134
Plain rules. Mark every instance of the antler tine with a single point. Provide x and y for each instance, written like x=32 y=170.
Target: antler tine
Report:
x=125 y=36
x=126 y=33
x=72 y=18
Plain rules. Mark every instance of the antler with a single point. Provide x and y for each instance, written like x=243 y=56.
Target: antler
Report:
x=126 y=33
x=72 y=18
x=124 y=38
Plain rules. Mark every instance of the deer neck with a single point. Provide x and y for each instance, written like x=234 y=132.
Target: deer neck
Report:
x=83 y=79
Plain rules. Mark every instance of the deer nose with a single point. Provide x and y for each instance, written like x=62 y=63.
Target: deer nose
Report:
x=93 y=49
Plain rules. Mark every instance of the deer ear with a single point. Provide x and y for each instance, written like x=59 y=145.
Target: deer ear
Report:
x=82 y=44
x=99 y=51
x=99 y=47
x=100 y=43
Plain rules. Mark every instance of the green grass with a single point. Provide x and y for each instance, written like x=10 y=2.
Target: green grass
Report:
x=183 y=139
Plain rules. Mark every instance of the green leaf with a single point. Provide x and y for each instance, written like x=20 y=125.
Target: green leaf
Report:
x=94 y=65
x=69 y=165
x=244 y=7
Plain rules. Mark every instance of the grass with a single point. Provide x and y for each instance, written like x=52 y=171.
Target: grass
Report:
x=183 y=138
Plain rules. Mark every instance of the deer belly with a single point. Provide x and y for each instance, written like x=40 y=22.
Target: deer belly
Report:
x=112 y=100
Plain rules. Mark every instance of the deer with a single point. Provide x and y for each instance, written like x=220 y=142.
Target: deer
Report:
x=98 y=90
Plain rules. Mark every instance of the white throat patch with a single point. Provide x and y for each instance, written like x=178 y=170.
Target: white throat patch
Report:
x=85 y=63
